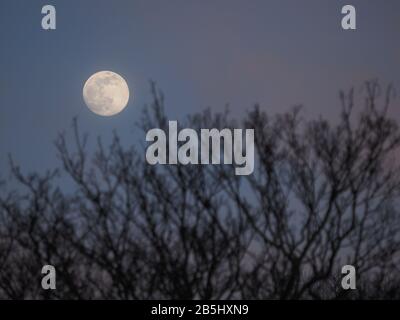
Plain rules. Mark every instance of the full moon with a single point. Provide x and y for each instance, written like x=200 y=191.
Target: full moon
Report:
x=106 y=93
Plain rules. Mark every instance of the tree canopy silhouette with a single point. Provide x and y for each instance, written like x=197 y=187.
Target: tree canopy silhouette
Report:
x=322 y=195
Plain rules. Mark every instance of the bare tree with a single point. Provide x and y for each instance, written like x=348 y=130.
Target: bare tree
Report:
x=323 y=195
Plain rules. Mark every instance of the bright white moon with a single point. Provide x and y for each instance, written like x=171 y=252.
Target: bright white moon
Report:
x=106 y=93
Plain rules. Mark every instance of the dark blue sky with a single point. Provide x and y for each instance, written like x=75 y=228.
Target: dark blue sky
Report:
x=201 y=53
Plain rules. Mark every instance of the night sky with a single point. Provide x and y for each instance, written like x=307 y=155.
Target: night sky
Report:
x=201 y=54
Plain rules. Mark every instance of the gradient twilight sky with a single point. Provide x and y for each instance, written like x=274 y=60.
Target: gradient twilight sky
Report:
x=201 y=53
